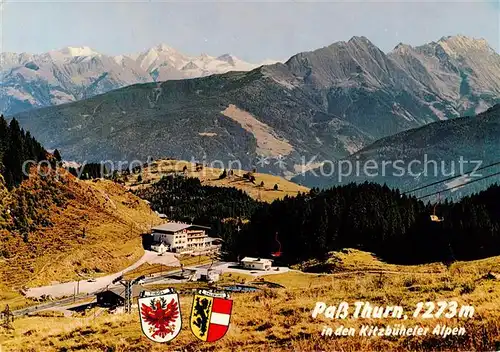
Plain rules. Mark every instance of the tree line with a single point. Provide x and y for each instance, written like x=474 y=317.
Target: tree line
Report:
x=17 y=146
x=89 y=171
x=367 y=216
x=187 y=200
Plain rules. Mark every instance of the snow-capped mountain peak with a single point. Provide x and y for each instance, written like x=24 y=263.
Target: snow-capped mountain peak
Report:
x=78 y=51
x=67 y=54
x=73 y=73
x=164 y=48
x=205 y=58
x=190 y=66
x=230 y=59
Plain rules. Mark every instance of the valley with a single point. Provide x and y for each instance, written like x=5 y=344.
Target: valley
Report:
x=327 y=103
x=116 y=218
x=170 y=200
x=460 y=147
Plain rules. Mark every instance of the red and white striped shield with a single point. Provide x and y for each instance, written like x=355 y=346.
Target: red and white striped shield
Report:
x=210 y=315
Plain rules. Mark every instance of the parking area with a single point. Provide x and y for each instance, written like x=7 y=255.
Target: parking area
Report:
x=232 y=267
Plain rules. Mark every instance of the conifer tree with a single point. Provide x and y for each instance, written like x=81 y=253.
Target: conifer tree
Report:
x=16 y=147
x=57 y=155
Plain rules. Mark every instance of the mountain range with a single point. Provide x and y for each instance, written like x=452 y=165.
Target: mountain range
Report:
x=74 y=73
x=325 y=104
x=434 y=152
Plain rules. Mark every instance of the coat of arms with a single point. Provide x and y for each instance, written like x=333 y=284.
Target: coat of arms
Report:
x=210 y=315
x=160 y=315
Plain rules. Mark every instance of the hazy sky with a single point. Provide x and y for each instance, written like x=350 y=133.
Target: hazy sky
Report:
x=253 y=31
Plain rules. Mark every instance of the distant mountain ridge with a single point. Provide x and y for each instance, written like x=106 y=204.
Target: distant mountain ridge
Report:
x=73 y=73
x=459 y=69
x=442 y=144
x=323 y=104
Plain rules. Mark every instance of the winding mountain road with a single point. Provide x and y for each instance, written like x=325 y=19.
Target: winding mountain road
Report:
x=83 y=286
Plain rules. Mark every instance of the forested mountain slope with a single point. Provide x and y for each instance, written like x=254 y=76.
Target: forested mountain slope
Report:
x=17 y=146
x=370 y=217
x=328 y=104
x=427 y=154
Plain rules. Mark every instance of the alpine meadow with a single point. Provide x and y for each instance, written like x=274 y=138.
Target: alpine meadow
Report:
x=270 y=180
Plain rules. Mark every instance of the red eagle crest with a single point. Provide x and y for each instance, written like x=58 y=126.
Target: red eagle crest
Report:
x=160 y=316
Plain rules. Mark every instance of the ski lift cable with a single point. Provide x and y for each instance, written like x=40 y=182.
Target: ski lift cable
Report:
x=434 y=217
x=458 y=186
x=450 y=178
x=438 y=202
x=276 y=238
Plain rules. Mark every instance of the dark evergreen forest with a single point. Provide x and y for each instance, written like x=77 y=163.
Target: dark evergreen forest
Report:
x=16 y=146
x=365 y=216
x=89 y=171
x=185 y=199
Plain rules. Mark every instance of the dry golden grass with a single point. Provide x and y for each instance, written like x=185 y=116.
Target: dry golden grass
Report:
x=13 y=298
x=210 y=177
x=48 y=314
x=148 y=269
x=189 y=260
x=225 y=279
x=280 y=319
x=237 y=278
x=95 y=231
x=349 y=260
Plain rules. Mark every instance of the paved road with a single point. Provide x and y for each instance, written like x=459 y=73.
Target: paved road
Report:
x=64 y=303
x=83 y=286
x=51 y=304
x=88 y=289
